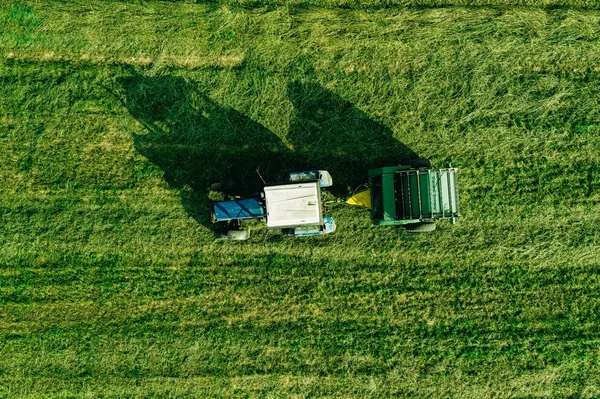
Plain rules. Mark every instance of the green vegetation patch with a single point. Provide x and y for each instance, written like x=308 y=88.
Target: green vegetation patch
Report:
x=115 y=117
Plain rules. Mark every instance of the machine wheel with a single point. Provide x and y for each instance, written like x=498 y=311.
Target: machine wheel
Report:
x=225 y=185
x=420 y=163
x=420 y=227
x=238 y=235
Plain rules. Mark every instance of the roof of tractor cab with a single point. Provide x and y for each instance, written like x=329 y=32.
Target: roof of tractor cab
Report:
x=293 y=205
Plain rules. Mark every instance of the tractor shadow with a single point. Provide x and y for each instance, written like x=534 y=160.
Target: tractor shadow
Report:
x=197 y=142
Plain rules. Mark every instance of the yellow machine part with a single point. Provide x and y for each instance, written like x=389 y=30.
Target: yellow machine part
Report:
x=361 y=198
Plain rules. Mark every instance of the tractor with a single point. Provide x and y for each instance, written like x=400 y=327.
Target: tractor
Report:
x=413 y=197
x=294 y=205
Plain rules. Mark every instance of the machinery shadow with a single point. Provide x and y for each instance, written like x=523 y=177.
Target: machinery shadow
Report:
x=331 y=133
x=197 y=142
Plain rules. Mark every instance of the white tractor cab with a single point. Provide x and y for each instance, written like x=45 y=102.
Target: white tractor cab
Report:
x=294 y=206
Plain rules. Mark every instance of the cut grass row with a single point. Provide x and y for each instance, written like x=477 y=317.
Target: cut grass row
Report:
x=386 y=4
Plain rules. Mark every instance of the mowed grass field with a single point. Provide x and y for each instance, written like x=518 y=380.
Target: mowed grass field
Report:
x=115 y=117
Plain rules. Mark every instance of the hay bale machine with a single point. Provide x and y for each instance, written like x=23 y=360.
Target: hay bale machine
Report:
x=409 y=196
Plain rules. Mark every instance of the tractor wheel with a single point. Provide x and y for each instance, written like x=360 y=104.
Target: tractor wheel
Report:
x=420 y=227
x=225 y=185
x=216 y=187
x=238 y=235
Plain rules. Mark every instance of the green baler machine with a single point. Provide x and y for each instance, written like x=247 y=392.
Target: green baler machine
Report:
x=413 y=197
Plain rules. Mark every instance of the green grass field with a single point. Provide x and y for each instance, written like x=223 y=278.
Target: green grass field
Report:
x=116 y=116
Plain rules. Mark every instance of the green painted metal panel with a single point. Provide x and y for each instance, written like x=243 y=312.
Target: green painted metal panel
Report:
x=389 y=201
x=425 y=190
x=415 y=200
x=376 y=197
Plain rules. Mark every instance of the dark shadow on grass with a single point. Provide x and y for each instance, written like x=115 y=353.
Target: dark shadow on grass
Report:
x=197 y=142
x=332 y=133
